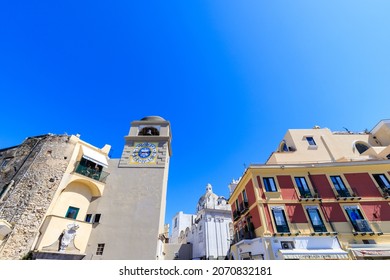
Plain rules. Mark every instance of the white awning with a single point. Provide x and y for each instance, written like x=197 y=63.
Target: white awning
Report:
x=94 y=156
x=315 y=254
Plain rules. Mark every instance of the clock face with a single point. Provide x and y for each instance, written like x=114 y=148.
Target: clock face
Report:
x=144 y=152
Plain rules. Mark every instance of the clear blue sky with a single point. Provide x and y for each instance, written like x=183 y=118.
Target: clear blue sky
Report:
x=230 y=76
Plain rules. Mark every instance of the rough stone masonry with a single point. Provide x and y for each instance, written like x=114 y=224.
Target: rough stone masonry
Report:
x=29 y=176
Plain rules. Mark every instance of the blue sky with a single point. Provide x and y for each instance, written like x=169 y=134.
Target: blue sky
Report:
x=230 y=76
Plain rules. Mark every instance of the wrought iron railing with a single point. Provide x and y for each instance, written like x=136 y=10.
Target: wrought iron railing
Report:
x=362 y=225
x=242 y=235
x=305 y=194
x=319 y=228
x=282 y=228
x=244 y=206
x=343 y=193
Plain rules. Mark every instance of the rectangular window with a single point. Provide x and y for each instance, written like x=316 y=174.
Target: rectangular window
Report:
x=97 y=218
x=315 y=219
x=245 y=198
x=339 y=186
x=72 y=212
x=88 y=218
x=280 y=219
x=175 y=226
x=303 y=187
x=269 y=184
x=357 y=220
x=311 y=141
x=249 y=229
x=237 y=205
x=382 y=181
x=100 y=249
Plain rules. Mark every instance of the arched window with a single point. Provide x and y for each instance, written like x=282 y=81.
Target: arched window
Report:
x=149 y=130
x=283 y=147
x=361 y=147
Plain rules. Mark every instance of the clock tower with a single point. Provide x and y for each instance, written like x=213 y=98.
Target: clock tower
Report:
x=132 y=207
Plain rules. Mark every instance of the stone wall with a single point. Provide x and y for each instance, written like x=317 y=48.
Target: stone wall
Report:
x=33 y=176
x=12 y=159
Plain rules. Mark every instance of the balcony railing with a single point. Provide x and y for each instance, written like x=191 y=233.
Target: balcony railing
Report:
x=98 y=175
x=244 y=235
x=343 y=193
x=362 y=225
x=244 y=207
x=386 y=192
x=305 y=194
x=282 y=229
x=319 y=228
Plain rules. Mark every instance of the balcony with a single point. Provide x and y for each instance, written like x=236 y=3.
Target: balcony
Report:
x=244 y=235
x=305 y=195
x=244 y=207
x=346 y=195
x=362 y=227
x=96 y=174
x=309 y=197
x=319 y=228
x=343 y=193
x=386 y=193
x=282 y=229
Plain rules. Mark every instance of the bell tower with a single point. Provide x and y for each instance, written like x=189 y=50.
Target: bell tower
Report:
x=145 y=163
x=148 y=144
x=133 y=205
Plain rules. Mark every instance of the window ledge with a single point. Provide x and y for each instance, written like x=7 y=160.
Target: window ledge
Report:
x=327 y=233
x=310 y=199
x=364 y=233
x=348 y=198
x=282 y=234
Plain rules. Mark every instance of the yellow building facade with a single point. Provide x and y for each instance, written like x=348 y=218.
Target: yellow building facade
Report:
x=69 y=211
x=321 y=195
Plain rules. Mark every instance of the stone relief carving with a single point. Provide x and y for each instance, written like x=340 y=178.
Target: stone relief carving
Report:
x=68 y=236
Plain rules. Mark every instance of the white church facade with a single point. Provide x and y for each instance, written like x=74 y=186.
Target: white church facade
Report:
x=209 y=232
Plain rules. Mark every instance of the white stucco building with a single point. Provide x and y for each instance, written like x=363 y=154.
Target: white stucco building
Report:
x=209 y=231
